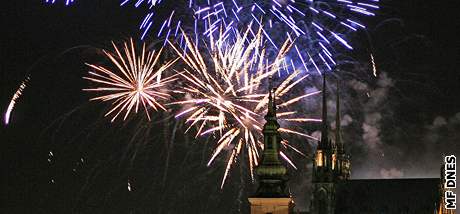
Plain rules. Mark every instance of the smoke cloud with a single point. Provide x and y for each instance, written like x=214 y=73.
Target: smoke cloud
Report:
x=382 y=146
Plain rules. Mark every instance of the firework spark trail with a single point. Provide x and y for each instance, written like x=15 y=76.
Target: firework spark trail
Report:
x=14 y=99
x=136 y=80
x=320 y=26
x=374 y=66
x=224 y=94
x=67 y=2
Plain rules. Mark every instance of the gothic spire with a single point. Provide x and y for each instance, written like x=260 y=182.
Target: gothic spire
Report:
x=338 y=134
x=324 y=130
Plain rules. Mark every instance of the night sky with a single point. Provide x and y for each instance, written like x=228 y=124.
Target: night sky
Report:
x=59 y=154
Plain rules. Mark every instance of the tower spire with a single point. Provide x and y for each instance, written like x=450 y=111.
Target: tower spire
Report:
x=271 y=172
x=323 y=167
x=271 y=110
x=338 y=134
x=324 y=130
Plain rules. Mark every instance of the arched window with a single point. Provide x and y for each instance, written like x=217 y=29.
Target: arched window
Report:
x=319 y=158
x=322 y=201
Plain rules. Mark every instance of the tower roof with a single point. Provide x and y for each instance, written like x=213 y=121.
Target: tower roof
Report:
x=414 y=196
x=338 y=134
x=270 y=117
x=271 y=172
x=324 y=143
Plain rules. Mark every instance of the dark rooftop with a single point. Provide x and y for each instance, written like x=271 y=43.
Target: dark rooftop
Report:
x=398 y=196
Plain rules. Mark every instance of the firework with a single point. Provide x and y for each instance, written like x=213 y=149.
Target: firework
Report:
x=374 y=67
x=67 y=2
x=14 y=99
x=224 y=94
x=320 y=27
x=135 y=80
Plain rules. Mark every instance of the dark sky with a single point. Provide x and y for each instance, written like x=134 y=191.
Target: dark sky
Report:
x=51 y=43
x=427 y=60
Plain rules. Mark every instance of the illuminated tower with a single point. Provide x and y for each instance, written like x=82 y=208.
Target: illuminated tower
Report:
x=271 y=195
x=323 y=196
x=340 y=160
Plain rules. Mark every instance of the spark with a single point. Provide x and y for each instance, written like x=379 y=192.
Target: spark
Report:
x=136 y=79
x=225 y=97
x=317 y=26
x=14 y=99
x=309 y=22
x=67 y=2
x=285 y=157
x=374 y=67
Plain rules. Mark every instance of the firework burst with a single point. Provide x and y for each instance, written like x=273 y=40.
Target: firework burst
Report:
x=136 y=80
x=320 y=27
x=224 y=94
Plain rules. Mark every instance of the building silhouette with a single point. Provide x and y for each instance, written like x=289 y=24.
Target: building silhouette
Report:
x=333 y=190
x=271 y=195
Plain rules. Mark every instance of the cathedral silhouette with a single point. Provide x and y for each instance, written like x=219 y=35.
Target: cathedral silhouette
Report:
x=333 y=190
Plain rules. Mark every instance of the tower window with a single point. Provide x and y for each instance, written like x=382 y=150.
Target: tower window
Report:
x=334 y=159
x=319 y=158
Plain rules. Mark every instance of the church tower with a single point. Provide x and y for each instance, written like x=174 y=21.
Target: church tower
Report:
x=271 y=195
x=323 y=195
x=340 y=160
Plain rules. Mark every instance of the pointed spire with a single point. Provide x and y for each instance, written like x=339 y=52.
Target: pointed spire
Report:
x=270 y=130
x=271 y=109
x=324 y=131
x=338 y=134
x=271 y=172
